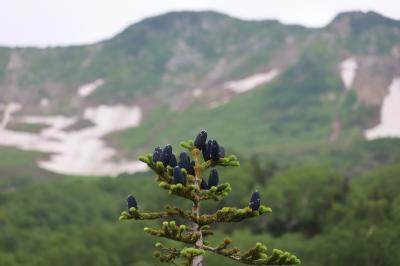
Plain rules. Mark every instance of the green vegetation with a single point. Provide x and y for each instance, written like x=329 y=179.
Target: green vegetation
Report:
x=277 y=116
x=320 y=214
x=161 y=53
x=19 y=169
x=25 y=127
x=4 y=58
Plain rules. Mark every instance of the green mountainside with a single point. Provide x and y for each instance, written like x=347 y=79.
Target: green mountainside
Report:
x=158 y=63
x=174 y=52
x=184 y=50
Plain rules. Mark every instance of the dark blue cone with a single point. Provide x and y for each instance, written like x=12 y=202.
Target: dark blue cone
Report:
x=172 y=161
x=213 y=179
x=166 y=154
x=167 y=149
x=221 y=152
x=214 y=151
x=190 y=170
x=255 y=201
x=203 y=185
x=183 y=160
x=178 y=176
x=132 y=202
x=207 y=151
x=156 y=154
x=200 y=141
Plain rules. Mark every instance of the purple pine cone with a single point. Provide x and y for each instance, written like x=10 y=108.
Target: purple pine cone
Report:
x=156 y=154
x=132 y=202
x=214 y=151
x=213 y=179
x=200 y=141
x=203 y=184
x=207 y=151
x=255 y=201
x=172 y=161
x=178 y=176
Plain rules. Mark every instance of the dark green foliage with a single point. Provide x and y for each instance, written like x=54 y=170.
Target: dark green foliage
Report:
x=73 y=222
x=78 y=224
x=305 y=196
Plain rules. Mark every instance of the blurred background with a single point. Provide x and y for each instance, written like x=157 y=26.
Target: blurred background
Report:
x=305 y=93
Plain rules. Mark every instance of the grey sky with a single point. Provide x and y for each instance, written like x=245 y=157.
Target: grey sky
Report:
x=64 y=22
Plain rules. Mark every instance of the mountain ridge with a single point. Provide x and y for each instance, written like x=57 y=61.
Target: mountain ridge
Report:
x=311 y=86
x=339 y=16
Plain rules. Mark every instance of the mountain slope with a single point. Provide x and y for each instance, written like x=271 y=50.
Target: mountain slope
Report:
x=257 y=84
x=169 y=52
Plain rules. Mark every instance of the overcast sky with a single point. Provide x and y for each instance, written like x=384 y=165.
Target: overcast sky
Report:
x=65 y=22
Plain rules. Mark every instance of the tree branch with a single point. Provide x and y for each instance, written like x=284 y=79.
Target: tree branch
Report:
x=228 y=214
x=169 y=212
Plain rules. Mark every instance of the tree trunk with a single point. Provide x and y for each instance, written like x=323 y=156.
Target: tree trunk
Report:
x=198 y=260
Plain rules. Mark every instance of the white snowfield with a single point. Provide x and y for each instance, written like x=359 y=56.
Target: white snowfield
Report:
x=79 y=152
x=390 y=115
x=348 y=69
x=251 y=82
x=87 y=89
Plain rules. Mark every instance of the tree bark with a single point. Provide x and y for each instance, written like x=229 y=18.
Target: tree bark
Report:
x=198 y=260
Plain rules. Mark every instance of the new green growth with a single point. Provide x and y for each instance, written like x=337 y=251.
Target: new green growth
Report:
x=184 y=177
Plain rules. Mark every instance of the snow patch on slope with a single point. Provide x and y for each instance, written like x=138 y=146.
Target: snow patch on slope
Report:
x=348 y=69
x=113 y=118
x=251 y=82
x=80 y=152
x=9 y=109
x=44 y=102
x=197 y=92
x=87 y=89
x=390 y=114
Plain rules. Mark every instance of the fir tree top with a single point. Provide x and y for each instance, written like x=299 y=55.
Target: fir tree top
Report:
x=184 y=178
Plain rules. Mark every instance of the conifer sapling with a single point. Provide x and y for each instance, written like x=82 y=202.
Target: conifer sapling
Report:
x=185 y=178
